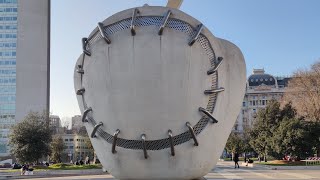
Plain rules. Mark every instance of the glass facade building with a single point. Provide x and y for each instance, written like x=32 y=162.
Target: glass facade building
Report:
x=8 y=45
x=24 y=63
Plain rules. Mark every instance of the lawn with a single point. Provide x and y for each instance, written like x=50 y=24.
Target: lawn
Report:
x=285 y=163
x=60 y=166
x=272 y=162
x=241 y=159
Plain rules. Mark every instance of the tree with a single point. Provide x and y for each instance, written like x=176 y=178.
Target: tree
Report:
x=263 y=128
x=314 y=135
x=57 y=147
x=246 y=147
x=292 y=138
x=234 y=143
x=304 y=92
x=278 y=132
x=30 y=139
x=83 y=131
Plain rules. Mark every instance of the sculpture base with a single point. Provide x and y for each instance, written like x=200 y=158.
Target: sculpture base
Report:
x=172 y=179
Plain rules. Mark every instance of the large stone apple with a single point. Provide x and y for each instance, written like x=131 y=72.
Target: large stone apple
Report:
x=159 y=94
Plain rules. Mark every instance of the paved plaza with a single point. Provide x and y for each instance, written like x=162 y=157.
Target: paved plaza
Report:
x=224 y=170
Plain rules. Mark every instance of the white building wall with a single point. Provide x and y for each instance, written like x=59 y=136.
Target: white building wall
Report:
x=249 y=110
x=33 y=57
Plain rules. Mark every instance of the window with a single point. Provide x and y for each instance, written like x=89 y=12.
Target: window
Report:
x=244 y=104
x=65 y=139
x=70 y=139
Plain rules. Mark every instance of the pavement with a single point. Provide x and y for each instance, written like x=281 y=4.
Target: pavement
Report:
x=224 y=170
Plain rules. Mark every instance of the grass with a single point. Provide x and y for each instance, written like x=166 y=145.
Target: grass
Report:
x=285 y=163
x=60 y=166
x=10 y=170
x=241 y=159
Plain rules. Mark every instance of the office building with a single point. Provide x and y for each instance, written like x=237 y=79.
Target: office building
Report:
x=24 y=62
x=55 y=124
x=76 y=123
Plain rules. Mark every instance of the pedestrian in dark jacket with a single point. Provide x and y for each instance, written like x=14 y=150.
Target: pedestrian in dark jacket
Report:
x=236 y=160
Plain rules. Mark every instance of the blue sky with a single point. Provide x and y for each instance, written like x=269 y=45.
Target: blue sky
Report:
x=279 y=36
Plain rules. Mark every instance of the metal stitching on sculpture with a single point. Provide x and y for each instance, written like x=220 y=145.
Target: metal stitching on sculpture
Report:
x=171 y=142
x=103 y=34
x=84 y=46
x=178 y=139
x=114 y=143
x=80 y=70
x=196 y=35
x=85 y=113
x=164 y=22
x=192 y=134
x=212 y=91
x=213 y=120
x=144 y=147
x=95 y=128
x=132 y=26
x=80 y=91
x=215 y=68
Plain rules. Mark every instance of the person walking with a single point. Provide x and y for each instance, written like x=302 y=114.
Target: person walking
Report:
x=236 y=160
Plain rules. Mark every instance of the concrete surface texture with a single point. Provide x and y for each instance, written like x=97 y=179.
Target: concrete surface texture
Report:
x=150 y=83
x=33 y=61
x=223 y=170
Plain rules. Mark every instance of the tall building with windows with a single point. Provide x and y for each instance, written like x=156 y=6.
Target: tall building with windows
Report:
x=260 y=89
x=24 y=62
x=55 y=124
x=76 y=123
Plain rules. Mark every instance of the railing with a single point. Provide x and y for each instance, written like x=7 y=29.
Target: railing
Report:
x=310 y=161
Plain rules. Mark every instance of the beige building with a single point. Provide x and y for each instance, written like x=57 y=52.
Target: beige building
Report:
x=260 y=89
x=75 y=148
